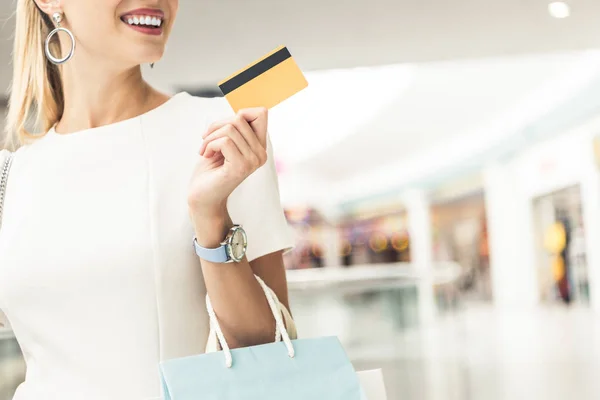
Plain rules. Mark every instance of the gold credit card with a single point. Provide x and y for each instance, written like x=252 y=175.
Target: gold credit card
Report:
x=264 y=83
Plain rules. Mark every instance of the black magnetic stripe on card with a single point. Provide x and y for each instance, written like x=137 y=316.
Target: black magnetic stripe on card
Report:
x=257 y=69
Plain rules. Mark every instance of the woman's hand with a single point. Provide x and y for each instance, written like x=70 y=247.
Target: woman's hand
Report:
x=232 y=150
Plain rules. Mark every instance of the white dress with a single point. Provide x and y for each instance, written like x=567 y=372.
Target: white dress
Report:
x=98 y=275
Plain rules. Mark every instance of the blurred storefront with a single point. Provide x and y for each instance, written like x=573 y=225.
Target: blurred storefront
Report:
x=460 y=234
x=375 y=238
x=310 y=228
x=543 y=211
x=560 y=246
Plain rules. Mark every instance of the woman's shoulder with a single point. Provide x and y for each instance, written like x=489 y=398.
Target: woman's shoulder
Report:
x=5 y=153
x=22 y=155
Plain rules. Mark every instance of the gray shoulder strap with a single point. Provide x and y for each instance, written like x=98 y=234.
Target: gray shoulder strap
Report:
x=5 y=163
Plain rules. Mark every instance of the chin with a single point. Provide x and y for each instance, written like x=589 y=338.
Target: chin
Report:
x=149 y=57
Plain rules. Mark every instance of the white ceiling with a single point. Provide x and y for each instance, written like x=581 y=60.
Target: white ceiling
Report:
x=443 y=101
x=447 y=114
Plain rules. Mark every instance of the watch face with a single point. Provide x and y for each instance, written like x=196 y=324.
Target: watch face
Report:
x=238 y=245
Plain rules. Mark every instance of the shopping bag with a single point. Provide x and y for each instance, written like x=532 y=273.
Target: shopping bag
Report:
x=315 y=369
x=372 y=384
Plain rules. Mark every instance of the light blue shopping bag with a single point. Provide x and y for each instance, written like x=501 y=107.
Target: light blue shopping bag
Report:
x=305 y=369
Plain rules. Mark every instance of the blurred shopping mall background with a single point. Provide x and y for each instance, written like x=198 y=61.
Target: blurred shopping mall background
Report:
x=442 y=175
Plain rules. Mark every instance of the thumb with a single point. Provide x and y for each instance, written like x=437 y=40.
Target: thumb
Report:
x=258 y=118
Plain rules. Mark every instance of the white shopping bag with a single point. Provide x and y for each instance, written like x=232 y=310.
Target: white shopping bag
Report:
x=372 y=384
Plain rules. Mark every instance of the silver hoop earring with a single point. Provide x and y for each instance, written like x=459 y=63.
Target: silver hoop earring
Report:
x=57 y=17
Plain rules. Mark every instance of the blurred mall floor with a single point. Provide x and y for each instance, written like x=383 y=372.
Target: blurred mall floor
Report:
x=479 y=353
x=471 y=351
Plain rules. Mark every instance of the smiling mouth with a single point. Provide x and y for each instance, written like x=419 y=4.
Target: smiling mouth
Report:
x=149 y=22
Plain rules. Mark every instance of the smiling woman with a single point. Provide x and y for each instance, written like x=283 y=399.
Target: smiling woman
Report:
x=145 y=20
x=137 y=202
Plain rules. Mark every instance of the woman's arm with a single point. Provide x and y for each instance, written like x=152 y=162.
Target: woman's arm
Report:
x=237 y=298
x=236 y=177
x=271 y=270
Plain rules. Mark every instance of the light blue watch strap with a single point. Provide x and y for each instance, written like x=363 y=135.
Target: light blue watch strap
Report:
x=218 y=255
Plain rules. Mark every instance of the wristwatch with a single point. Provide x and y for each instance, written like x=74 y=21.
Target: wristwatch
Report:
x=232 y=249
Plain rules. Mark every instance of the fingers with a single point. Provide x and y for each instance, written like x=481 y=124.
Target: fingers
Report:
x=252 y=139
x=247 y=130
x=226 y=146
x=230 y=131
x=241 y=165
x=224 y=128
x=256 y=117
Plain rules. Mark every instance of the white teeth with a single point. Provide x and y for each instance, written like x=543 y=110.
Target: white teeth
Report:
x=144 y=20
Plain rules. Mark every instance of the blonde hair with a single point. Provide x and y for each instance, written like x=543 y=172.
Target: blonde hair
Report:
x=36 y=94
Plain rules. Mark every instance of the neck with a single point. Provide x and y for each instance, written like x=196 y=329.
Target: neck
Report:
x=96 y=95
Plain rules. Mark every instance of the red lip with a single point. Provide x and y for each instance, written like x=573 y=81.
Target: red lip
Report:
x=150 y=12
x=147 y=30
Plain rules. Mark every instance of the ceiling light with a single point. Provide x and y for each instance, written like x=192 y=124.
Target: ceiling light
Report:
x=559 y=9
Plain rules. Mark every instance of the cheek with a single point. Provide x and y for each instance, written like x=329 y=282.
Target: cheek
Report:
x=95 y=30
x=173 y=10
x=91 y=19
x=174 y=6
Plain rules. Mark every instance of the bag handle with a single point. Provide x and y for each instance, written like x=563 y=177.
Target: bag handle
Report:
x=4 y=169
x=280 y=329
